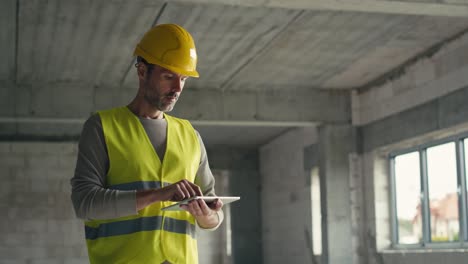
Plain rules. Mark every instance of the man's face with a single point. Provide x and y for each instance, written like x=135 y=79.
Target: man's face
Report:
x=162 y=88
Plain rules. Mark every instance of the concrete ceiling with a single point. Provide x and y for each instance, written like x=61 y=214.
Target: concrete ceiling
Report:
x=243 y=45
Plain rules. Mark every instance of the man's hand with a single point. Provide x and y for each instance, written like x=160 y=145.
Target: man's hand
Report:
x=175 y=192
x=204 y=213
x=178 y=191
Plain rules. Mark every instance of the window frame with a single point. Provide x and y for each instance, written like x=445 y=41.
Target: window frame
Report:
x=461 y=190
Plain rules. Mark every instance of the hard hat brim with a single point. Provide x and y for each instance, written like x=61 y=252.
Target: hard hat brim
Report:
x=150 y=59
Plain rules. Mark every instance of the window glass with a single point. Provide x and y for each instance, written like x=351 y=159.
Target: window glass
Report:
x=465 y=141
x=443 y=197
x=408 y=202
x=316 y=213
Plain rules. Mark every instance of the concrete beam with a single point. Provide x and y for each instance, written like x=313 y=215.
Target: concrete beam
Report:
x=60 y=110
x=442 y=113
x=299 y=107
x=446 y=8
x=432 y=74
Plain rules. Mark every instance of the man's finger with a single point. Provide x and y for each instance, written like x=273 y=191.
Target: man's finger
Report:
x=190 y=188
x=204 y=207
x=216 y=205
x=195 y=208
x=179 y=193
x=185 y=189
x=196 y=189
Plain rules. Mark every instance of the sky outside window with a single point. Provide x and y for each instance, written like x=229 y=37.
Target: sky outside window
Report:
x=408 y=188
x=465 y=141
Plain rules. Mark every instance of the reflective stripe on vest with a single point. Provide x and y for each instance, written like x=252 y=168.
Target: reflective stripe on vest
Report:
x=138 y=185
x=152 y=235
x=140 y=224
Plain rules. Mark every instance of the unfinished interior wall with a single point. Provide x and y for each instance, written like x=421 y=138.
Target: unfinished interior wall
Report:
x=424 y=101
x=336 y=143
x=212 y=246
x=378 y=218
x=286 y=198
x=438 y=74
x=241 y=167
x=38 y=223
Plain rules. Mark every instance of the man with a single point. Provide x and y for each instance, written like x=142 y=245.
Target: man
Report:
x=135 y=160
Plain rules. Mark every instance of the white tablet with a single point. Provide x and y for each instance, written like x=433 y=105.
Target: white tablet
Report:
x=224 y=199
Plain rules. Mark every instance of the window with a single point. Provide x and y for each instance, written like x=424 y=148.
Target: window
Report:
x=316 y=213
x=465 y=172
x=429 y=193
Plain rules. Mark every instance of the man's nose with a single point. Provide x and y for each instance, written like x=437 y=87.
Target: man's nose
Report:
x=177 y=85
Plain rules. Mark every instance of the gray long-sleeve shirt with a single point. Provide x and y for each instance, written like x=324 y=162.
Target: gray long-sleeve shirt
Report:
x=92 y=200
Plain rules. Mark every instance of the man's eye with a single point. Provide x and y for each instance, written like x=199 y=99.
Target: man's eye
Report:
x=168 y=77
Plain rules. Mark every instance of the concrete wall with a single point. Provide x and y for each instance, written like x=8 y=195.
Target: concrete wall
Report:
x=338 y=192
x=442 y=113
x=38 y=224
x=241 y=166
x=212 y=245
x=430 y=77
x=449 y=256
x=377 y=218
x=422 y=102
x=286 y=198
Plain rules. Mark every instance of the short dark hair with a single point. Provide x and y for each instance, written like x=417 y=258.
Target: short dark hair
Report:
x=148 y=65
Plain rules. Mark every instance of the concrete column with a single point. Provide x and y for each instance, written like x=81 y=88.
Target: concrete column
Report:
x=286 y=198
x=335 y=145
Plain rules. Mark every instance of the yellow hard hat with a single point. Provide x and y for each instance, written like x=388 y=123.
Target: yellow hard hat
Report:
x=169 y=46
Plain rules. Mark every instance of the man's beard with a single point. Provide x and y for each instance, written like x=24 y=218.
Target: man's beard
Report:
x=159 y=101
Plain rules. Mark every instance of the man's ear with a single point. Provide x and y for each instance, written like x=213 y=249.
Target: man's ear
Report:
x=141 y=70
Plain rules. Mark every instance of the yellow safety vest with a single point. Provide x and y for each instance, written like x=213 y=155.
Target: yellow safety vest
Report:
x=152 y=235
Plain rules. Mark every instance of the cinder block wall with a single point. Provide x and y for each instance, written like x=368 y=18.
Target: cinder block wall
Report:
x=425 y=80
x=38 y=224
x=242 y=167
